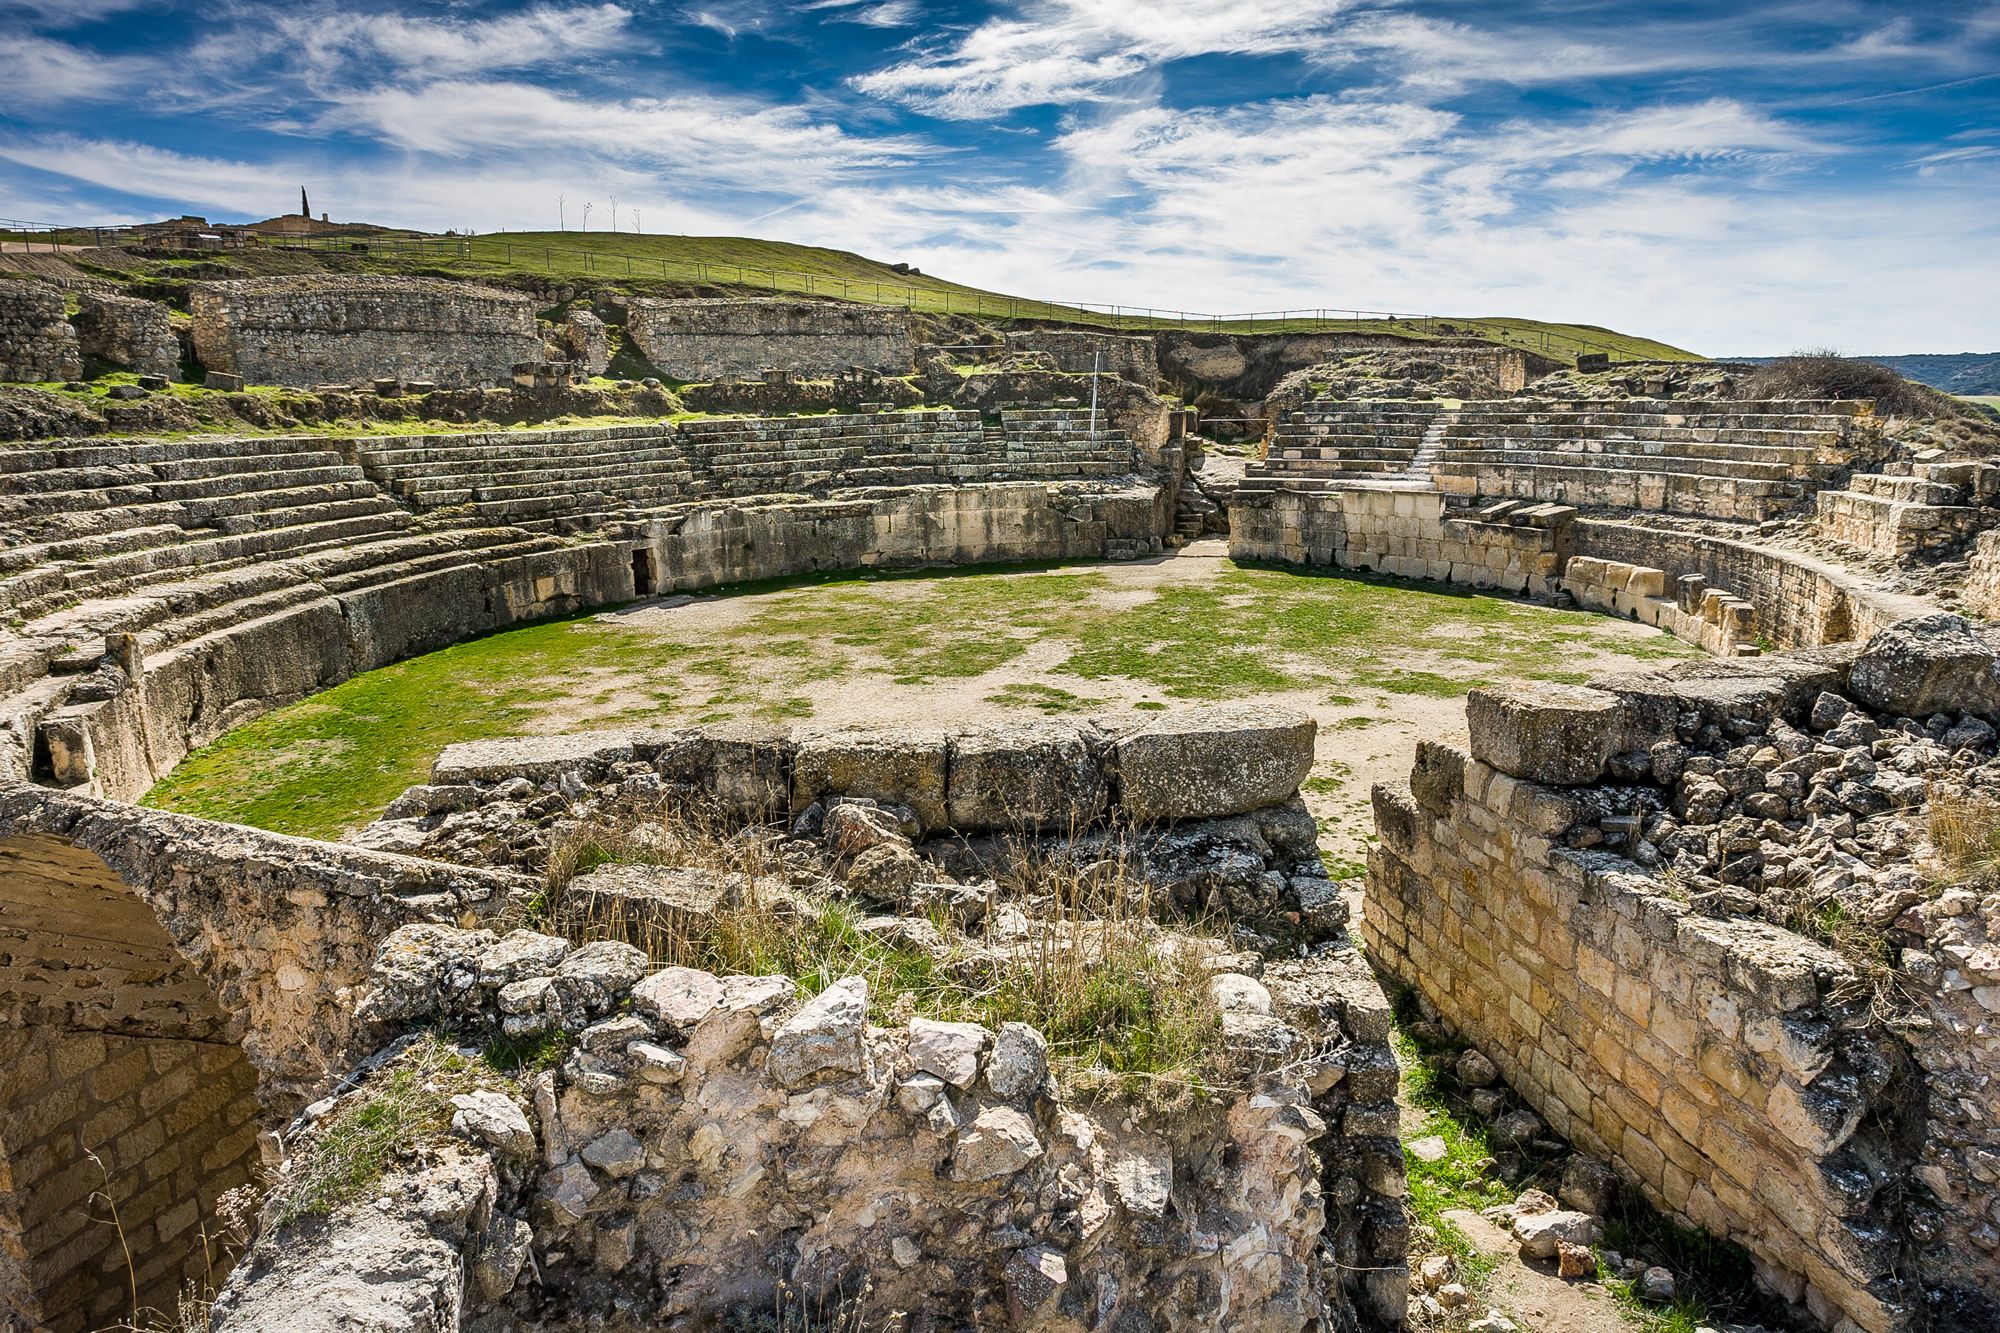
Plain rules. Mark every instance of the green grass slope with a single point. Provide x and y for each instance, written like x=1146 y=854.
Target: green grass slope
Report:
x=736 y=263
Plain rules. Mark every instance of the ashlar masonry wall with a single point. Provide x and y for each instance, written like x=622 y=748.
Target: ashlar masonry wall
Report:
x=709 y=339
x=325 y=330
x=1709 y=1060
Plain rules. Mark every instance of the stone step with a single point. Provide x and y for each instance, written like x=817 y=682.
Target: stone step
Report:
x=1649 y=463
x=1910 y=490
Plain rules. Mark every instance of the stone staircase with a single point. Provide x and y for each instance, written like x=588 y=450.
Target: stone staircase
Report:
x=1929 y=507
x=1328 y=443
x=1431 y=447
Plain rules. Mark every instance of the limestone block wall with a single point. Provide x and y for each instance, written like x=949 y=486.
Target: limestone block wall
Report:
x=1078 y=353
x=1982 y=579
x=128 y=332
x=37 y=341
x=191 y=693
x=174 y=1123
x=1691 y=1052
x=312 y=330
x=1402 y=531
x=1801 y=601
x=1687 y=608
x=913 y=527
x=710 y=338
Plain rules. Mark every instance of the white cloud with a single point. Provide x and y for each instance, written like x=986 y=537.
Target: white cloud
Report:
x=732 y=142
x=43 y=71
x=1070 y=50
x=340 y=44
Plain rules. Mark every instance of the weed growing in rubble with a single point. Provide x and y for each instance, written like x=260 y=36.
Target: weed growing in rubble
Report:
x=1125 y=1005
x=403 y=1107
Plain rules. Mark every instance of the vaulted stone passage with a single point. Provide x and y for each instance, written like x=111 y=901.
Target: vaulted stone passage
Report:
x=111 y=1044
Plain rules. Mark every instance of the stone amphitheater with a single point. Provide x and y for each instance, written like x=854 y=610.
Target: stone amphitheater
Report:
x=1050 y=1024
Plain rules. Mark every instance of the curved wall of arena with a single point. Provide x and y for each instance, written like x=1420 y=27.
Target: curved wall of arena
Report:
x=1779 y=598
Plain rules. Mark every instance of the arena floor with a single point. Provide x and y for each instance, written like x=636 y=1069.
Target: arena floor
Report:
x=1380 y=664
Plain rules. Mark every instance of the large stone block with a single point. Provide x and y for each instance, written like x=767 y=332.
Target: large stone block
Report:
x=1558 y=734
x=1205 y=763
x=1931 y=664
x=900 y=766
x=1025 y=776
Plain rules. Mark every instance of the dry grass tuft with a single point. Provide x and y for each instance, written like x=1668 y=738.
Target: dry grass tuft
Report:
x=1966 y=832
x=1125 y=1004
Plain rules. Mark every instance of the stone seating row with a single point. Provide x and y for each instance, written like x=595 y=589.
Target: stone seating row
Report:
x=562 y=480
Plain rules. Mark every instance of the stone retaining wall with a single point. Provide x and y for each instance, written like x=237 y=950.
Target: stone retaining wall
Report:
x=1801 y=601
x=906 y=529
x=710 y=338
x=36 y=339
x=1402 y=531
x=129 y=332
x=1078 y=353
x=1747 y=1079
x=1719 y=593
x=192 y=693
x=348 y=329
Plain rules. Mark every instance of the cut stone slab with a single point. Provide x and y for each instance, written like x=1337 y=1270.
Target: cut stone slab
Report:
x=1209 y=763
x=537 y=758
x=895 y=766
x=1024 y=777
x=645 y=905
x=1557 y=734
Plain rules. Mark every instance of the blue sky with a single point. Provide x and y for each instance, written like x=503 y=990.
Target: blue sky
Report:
x=1736 y=177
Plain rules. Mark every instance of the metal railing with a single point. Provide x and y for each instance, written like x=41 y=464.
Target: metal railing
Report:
x=931 y=297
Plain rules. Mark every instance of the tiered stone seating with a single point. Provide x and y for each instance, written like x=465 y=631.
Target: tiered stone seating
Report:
x=1733 y=460
x=1329 y=441
x=579 y=479
x=542 y=478
x=170 y=540
x=1056 y=444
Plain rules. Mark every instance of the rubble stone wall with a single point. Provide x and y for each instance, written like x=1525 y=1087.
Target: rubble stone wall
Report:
x=1077 y=353
x=346 y=329
x=129 y=332
x=715 y=1143
x=707 y=339
x=37 y=341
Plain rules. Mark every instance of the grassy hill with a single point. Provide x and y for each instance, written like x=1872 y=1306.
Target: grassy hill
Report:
x=724 y=264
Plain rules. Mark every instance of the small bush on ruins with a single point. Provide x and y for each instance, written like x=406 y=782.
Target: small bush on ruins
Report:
x=1822 y=372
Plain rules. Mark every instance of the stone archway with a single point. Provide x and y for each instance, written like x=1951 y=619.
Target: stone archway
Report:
x=112 y=1043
